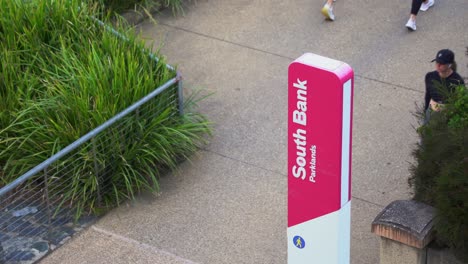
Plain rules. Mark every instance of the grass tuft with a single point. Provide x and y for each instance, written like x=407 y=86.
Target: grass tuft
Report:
x=61 y=75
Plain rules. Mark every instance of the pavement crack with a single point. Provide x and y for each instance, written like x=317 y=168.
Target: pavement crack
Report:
x=388 y=83
x=141 y=245
x=277 y=54
x=367 y=201
x=243 y=162
x=279 y=173
x=226 y=41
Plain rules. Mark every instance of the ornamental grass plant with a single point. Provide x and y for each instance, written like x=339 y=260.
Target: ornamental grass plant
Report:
x=62 y=74
x=122 y=5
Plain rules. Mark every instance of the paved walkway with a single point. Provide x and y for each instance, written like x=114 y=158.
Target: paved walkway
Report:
x=229 y=204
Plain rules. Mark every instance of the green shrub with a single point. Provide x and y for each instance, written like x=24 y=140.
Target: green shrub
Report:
x=61 y=75
x=452 y=207
x=440 y=176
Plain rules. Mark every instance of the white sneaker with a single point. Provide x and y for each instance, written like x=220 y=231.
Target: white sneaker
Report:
x=411 y=25
x=327 y=11
x=425 y=6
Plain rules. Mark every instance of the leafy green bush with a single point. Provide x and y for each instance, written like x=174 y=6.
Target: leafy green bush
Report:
x=440 y=176
x=61 y=75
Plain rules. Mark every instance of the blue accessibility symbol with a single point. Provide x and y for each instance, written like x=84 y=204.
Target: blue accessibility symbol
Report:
x=299 y=242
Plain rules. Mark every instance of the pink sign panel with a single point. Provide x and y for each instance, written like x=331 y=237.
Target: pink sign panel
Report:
x=320 y=104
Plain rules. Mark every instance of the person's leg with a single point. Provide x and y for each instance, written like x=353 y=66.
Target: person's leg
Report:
x=327 y=10
x=427 y=116
x=415 y=6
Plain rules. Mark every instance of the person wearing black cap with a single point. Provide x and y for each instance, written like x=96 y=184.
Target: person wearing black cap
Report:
x=441 y=82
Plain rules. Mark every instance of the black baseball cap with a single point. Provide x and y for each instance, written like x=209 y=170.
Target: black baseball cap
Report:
x=444 y=56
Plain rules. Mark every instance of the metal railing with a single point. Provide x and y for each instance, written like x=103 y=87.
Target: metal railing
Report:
x=31 y=207
x=34 y=215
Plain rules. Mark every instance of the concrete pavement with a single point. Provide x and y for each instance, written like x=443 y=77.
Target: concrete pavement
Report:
x=228 y=205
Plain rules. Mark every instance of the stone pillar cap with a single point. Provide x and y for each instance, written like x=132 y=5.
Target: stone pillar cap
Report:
x=406 y=221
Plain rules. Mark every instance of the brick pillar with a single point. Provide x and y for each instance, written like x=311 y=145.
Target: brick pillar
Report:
x=405 y=228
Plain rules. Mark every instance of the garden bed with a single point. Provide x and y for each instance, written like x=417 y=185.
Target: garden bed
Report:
x=90 y=117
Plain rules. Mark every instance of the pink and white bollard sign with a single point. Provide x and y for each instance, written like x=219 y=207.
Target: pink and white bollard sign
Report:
x=320 y=111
